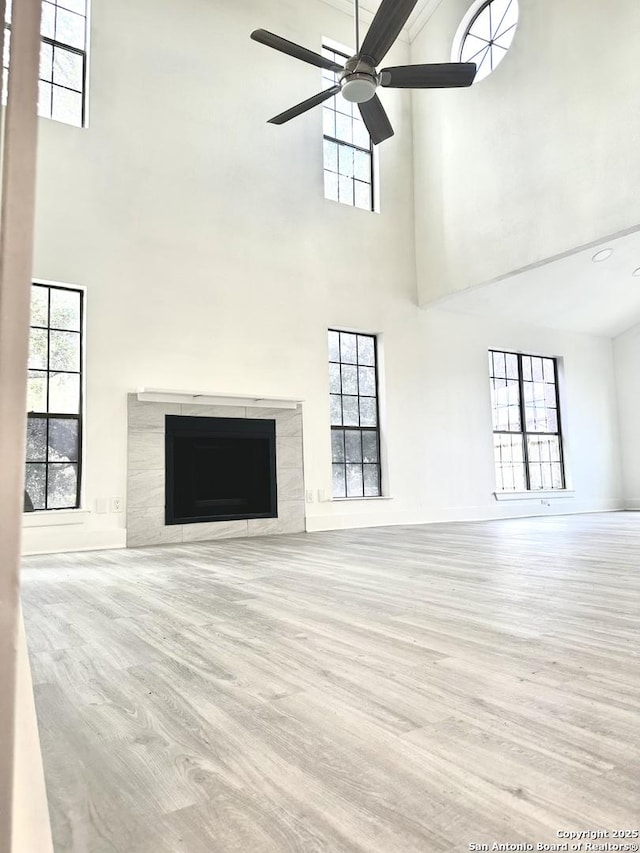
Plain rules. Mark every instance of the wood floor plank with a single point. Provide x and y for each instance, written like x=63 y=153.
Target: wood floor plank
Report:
x=395 y=690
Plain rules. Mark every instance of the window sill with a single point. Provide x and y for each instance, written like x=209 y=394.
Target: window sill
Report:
x=371 y=498
x=549 y=494
x=54 y=517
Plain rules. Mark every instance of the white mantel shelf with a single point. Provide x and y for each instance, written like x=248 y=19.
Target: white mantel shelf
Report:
x=160 y=395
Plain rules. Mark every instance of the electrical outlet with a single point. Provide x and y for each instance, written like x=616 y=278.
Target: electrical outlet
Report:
x=101 y=505
x=309 y=496
x=116 y=504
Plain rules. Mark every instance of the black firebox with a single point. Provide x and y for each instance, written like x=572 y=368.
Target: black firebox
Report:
x=219 y=469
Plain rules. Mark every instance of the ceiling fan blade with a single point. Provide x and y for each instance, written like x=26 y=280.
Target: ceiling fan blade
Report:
x=304 y=106
x=295 y=50
x=385 y=28
x=444 y=75
x=376 y=120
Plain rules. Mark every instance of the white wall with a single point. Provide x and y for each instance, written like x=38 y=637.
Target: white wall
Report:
x=627 y=360
x=212 y=262
x=439 y=423
x=536 y=159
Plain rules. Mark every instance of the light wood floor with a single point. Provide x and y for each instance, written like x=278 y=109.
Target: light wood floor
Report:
x=400 y=690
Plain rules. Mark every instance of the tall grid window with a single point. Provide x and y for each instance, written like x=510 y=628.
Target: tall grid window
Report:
x=527 y=437
x=355 y=435
x=54 y=399
x=348 y=153
x=63 y=60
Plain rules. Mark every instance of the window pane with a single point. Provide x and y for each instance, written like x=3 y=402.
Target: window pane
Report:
x=63 y=440
x=39 y=306
x=62 y=486
x=339 y=482
x=499 y=368
x=360 y=134
x=508 y=453
x=65 y=309
x=330 y=155
x=331 y=186
x=536 y=369
x=70 y=28
x=66 y=106
x=366 y=350
x=35 y=484
x=369 y=445
x=362 y=166
x=337 y=445
x=65 y=350
x=328 y=122
x=64 y=393
x=505 y=394
x=349 y=379
x=345 y=161
x=548 y=370
x=38 y=349
x=354 y=481
x=334 y=346
x=36 y=440
x=334 y=378
x=46 y=61
x=368 y=413
x=511 y=361
x=367 y=380
x=48 y=23
x=350 y=410
x=79 y=6
x=45 y=94
x=343 y=106
x=535 y=476
x=362 y=194
x=345 y=190
x=353 y=446
x=67 y=69
x=344 y=126
x=336 y=410
x=348 y=348
x=371 y=481
x=37 y=392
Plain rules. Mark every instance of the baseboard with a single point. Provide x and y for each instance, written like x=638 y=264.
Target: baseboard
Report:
x=438 y=515
x=632 y=504
x=52 y=541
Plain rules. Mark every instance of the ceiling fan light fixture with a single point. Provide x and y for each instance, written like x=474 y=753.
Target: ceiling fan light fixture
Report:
x=358 y=88
x=602 y=255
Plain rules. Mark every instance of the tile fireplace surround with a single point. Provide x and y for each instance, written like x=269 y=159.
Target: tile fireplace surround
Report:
x=146 y=474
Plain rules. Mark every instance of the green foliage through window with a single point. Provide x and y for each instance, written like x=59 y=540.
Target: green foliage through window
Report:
x=54 y=399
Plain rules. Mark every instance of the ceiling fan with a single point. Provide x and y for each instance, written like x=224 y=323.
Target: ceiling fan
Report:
x=358 y=78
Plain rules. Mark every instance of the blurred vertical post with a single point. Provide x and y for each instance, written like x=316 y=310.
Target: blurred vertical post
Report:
x=19 y=143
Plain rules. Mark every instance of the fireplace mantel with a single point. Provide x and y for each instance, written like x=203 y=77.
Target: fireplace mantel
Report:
x=159 y=395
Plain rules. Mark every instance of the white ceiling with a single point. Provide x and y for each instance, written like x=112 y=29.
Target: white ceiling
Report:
x=420 y=15
x=571 y=292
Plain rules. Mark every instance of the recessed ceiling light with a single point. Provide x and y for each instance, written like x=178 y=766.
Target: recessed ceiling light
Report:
x=602 y=255
x=636 y=273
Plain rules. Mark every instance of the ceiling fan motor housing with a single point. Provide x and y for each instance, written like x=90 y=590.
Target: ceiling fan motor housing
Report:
x=358 y=81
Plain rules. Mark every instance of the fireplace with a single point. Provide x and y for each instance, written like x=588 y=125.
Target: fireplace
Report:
x=219 y=469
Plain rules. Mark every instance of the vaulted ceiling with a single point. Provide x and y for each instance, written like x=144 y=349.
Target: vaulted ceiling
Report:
x=420 y=15
x=572 y=293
